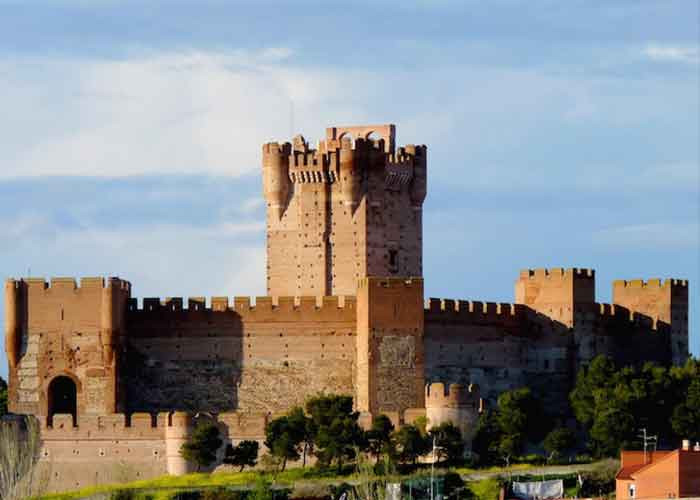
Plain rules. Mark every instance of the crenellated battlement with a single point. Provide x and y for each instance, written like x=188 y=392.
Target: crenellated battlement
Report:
x=246 y=306
x=303 y=164
x=439 y=395
x=69 y=283
x=474 y=311
x=654 y=283
x=145 y=426
x=557 y=273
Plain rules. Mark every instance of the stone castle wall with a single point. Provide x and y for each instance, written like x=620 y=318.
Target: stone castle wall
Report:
x=267 y=356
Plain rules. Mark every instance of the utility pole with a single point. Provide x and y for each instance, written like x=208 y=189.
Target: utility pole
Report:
x=432 y=469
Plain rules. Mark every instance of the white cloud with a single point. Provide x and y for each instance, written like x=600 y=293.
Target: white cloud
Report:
x=165 y=113
x=673 y=53
x=160 y=259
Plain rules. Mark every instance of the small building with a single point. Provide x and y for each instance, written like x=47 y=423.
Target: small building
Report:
x=659 y=474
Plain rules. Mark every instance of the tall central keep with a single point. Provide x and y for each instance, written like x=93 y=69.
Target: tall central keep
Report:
x=350 y=209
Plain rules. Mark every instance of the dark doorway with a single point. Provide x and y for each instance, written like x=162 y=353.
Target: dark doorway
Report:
x=62 y=398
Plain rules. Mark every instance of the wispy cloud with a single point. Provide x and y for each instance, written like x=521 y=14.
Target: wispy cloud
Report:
x=164 y=113
x=673 y=53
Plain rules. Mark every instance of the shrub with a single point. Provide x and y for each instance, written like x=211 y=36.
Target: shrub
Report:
x=221 y=494
x=123 y=495
x=187 y=495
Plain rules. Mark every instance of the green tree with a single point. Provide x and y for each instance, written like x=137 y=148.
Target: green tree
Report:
x=379 y=436
x=613 y=404
x=282 y=439
x=244 y=453
x=517 y=419
x=686 y=415
x=304 y=431
x=3 y=397
x=448 y=442
x=202 y=446
x=599 y=374
x=337 y=433
x=410 y=443
x=486 y=438
x=558 y=441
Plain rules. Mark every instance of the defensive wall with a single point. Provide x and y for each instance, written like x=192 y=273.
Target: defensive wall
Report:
x=113 y=448
x=256 y=354
x=261 y=354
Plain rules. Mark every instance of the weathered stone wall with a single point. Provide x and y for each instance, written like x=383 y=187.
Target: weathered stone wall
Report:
x=390 y=359
x=266 y=357
x=505 y=346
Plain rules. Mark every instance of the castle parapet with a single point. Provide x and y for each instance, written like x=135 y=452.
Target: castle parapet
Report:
x=249 y=307
x=474 y=312
x=68 y=283
x=654 y=283
x=439 y=395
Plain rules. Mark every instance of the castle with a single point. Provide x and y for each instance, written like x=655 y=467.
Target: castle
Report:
x=112 y=379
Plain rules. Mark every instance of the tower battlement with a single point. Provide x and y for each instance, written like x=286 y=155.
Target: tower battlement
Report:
x=655 y=283
x=557 y=273
x=439 y=395
x=69 y=283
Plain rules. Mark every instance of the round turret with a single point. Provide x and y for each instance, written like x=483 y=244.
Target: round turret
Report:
x=107 y=323
x=12 y=322
x=276 y=177
x=350 y=175
x=177 y=432
x=458 y=404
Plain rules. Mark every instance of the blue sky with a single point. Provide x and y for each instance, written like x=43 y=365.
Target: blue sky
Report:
x=559 y=134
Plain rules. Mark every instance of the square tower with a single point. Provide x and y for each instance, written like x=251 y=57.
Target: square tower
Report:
x=63 y=342
x=349 y=209
x=390 y=345
x=556 y=293
x=665 y=303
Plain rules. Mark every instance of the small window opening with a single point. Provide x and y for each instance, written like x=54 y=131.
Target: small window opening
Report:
x=393 y=260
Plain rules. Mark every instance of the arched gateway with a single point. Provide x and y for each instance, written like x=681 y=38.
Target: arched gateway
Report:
x=62 y=397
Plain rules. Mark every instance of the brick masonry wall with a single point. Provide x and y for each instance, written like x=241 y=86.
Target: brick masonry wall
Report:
x=261 y=358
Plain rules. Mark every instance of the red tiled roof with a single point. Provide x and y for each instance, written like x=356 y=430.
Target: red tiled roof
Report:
x=626 y=472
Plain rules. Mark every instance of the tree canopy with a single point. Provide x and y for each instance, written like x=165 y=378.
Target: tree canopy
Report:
x=336 y=428
x=448 y=442
x=282 y=439
x=614 y=404
x=243 y=454
x=379 y=436
x=202 y=446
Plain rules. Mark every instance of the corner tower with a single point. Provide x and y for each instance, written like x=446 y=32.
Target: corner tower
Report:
x=352 y=208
